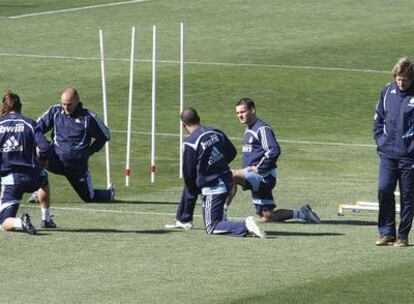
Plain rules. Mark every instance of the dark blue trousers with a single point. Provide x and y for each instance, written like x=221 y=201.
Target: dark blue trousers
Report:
x=392 y=171
x=76 y=172
x=213 y=213
x=14 y=186
x=186 y=207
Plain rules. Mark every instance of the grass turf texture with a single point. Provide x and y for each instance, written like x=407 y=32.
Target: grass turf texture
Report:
x=120 y=253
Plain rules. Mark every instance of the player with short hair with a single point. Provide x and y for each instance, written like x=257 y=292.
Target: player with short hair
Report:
x=206 y=171
x=74 y=127
x=260 y=153
x=19 y=166
x=394 y=136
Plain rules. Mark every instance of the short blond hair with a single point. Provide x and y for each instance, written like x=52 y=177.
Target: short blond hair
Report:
x=404 y=66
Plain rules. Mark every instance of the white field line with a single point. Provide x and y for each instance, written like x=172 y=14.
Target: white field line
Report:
x=118 y=211
x=221 y=64
x=74 y=9
x=106 y=210
x=254 y=65
x=305 y=142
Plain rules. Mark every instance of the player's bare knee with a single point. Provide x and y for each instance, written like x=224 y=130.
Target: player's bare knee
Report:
x=264 y=219
x=238 y=174
x=267 y=216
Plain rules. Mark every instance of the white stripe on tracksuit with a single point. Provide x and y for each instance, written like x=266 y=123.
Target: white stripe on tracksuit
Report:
x=265 y=144
x=90 y=185
x=8 y=204
x=207 y=213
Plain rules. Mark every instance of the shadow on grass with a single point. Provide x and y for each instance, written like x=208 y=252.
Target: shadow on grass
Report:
x=109 y=230
x=290 y=233
x=38 y=233
x=349 y=222
x=147 y=203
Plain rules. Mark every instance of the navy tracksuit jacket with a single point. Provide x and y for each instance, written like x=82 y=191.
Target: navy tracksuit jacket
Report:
x=207 y=154
x=19 y=165
x=206 y=171
x=19 y=136
x=393 y=118
x=72 y=136
x=260 y=147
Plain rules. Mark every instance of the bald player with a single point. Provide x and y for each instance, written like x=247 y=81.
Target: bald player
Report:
x=206 y=171
x=77 y=133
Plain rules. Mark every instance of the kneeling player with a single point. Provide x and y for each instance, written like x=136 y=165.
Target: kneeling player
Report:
x=20 y=170
x=207 y=153
x=260 y=153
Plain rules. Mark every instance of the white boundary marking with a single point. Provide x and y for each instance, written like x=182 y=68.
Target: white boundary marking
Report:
x=253 y=65
x=305 y=142
x=74 y=9
x=107 y=211
x=218 y=64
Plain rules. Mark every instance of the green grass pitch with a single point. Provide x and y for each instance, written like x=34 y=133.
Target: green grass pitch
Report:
x=315 y=69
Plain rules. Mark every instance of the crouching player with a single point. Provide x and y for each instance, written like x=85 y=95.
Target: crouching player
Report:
x=207 y=154
x=19 y=169
x=260 y=153
x=77 y=133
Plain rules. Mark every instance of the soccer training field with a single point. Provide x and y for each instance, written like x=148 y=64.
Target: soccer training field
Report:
x=315 y=70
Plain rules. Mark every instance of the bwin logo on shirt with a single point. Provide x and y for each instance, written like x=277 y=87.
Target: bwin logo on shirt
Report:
x=18 y=128
x=211 y=141
x=11 y=145
x=247 y=148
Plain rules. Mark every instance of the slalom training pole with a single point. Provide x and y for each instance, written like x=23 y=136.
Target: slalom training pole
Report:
x=129 y=130
x=181 y=95
x=154 y=86
x=105 y=106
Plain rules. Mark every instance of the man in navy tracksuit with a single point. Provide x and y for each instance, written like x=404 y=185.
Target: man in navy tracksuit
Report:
x=260 y=153
x=394 y=136
x=73 y=128
x=19 y=165
x=207 y=154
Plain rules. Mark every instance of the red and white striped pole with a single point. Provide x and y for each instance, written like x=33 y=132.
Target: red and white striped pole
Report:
x=154 y=86
x=129 y=130
x=105 y=106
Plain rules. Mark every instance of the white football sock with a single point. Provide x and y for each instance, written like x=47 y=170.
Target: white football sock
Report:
x=17 y=223
x=45 y=214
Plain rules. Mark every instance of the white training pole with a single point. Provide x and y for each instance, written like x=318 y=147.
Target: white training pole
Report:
x=105 y=103
x=154 y=85
x=131 y=83
x=181 y=94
